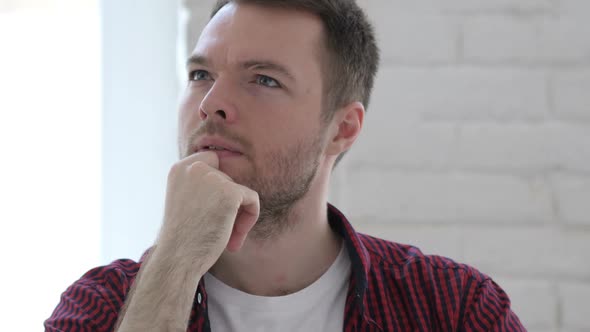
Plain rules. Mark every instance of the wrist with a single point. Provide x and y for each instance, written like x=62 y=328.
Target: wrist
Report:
x=176 y=263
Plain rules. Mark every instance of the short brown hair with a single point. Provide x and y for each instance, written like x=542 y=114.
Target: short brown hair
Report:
x=352 y=53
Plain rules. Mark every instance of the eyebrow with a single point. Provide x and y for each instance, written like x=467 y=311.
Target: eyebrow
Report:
x=201 y=60
x=197 y=59
x=268 y=65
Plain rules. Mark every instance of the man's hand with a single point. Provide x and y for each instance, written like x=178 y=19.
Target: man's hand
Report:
x=206 y=211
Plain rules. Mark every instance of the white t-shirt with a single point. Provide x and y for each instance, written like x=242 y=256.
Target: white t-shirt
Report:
x=318 y=307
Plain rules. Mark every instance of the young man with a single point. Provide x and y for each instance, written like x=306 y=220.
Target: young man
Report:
x=276 y=93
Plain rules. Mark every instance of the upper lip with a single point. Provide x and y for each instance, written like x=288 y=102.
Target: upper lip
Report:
x=207 y=141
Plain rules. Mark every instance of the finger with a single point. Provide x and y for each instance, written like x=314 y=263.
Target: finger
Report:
x=245 y=220
x=208 y=157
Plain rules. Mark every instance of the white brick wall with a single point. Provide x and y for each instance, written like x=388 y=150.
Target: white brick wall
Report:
x=573 y=193
x=477 y=144
x=574 y=303
x=465 y=91
x=526 y=40
x=570 y=95
x=448 y=198
x=413 y=38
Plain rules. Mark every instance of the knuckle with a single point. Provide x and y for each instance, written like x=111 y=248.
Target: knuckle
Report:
x=213 y=177
x=198 y=167
x=174 y=170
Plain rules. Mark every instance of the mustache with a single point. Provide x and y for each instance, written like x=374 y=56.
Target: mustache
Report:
x=209 y=128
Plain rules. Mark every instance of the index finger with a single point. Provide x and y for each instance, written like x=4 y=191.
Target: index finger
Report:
x=246 y=219
x=208 y=157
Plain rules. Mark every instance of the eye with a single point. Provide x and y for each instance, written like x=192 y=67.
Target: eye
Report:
x=267 y=81
x=199 y=75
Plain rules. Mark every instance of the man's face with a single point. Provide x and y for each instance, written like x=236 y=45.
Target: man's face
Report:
x=255 y=82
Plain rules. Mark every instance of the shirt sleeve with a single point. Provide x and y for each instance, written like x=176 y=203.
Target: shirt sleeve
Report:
x=93 y=302
x=490 y=310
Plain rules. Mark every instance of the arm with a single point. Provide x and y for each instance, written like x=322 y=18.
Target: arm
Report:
x=96 y=301
x=162 y=295
x=205 y=213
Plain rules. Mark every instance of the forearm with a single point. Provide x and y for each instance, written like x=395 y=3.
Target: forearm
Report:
x=162 y=296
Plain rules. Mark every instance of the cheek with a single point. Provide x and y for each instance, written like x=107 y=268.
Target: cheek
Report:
x=276 y=112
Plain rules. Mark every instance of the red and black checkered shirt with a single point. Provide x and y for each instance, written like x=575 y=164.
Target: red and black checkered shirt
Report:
x=393 y=287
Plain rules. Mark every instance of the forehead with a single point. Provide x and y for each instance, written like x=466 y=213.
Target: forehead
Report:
x=241 y=32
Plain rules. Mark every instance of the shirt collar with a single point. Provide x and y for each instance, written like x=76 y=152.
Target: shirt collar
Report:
x=359 y=256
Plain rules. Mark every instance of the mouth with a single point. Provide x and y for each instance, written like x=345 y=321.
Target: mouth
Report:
x=213 y=148
x=219 y=146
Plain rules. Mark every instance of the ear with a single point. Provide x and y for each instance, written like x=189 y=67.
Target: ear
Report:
x=345 y=127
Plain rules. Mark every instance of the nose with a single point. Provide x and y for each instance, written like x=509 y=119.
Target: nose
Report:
x=218 y=113
x=217 y=104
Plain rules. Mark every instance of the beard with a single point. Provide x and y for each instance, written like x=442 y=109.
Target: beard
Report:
x=284 y=179
x=281 y=178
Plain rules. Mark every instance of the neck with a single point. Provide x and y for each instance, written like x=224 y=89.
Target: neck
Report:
x=290 y=260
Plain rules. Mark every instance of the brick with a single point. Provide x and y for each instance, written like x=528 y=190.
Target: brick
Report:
x=462 y=93
x=571 y=95
x=571 y=150
x=575 y=8
x=519 y=147
x=528 y=252
x=507 y=147
x=408 y=7
x=575 y=309
x=463 y=6
x=407 y=146
x=533 y=300
x=513 y=39
x=408 y=197
x=492 y=147
x=573 y=197
x=510 y=6
x=416 y=39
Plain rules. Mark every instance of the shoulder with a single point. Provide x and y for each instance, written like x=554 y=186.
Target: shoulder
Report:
x=434 y=288
x=95 y=299
x=119 y=271
x=393 y=257
x=112 y=282
x=402 y=263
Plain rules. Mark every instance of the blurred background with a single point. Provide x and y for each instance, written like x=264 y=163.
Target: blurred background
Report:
x=476 y=145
